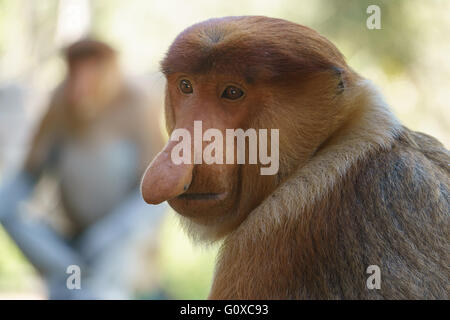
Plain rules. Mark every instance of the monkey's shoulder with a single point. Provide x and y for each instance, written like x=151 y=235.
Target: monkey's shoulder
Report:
x=412 y=178
x=429 y=146
x=393 y=211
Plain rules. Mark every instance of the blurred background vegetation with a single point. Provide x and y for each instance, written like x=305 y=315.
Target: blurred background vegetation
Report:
x=408 y=58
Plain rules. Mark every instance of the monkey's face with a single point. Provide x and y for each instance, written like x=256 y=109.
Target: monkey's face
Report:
x=249 y=73
x=91 y=85
x=204 y=188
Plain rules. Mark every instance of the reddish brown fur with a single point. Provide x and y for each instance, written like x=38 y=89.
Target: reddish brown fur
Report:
x=85 y=49
x=215 y=44
x=380 y=213
x=355 y=188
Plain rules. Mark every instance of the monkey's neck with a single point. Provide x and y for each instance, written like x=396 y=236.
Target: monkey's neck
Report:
x=371 y=128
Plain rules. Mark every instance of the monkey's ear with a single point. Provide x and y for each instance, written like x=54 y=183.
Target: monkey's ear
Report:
x=339 y=73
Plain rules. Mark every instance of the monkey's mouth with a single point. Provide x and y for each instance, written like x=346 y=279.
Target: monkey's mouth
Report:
x=202 y=196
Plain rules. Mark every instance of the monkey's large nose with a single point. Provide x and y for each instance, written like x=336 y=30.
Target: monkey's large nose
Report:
x=163 y=179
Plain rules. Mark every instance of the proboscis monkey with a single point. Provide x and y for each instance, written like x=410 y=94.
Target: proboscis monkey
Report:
x=96 y=138
x=354 y=187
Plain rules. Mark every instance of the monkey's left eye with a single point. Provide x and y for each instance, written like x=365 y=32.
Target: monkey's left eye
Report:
x=232 y=93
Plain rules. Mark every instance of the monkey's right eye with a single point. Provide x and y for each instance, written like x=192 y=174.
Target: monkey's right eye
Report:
x=186 y=86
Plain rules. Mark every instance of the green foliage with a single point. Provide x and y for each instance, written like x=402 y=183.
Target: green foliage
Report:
x=187 y=269
x=15 y=271
x=345 y=24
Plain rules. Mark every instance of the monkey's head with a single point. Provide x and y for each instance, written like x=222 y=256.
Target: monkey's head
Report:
x=93 y=78
x=248 y=73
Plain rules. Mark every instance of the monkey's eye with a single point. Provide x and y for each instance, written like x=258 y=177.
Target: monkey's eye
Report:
x=186 y=86
x=232 y=93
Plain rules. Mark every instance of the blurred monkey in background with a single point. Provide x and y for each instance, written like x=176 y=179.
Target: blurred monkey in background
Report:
x=96 y=138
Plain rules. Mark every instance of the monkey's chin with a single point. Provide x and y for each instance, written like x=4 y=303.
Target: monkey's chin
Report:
x=196 y=205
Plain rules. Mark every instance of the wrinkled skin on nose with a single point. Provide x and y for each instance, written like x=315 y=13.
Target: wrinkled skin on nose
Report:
x=163 y=179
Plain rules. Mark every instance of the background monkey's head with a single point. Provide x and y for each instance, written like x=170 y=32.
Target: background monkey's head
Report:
x=93 y=78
